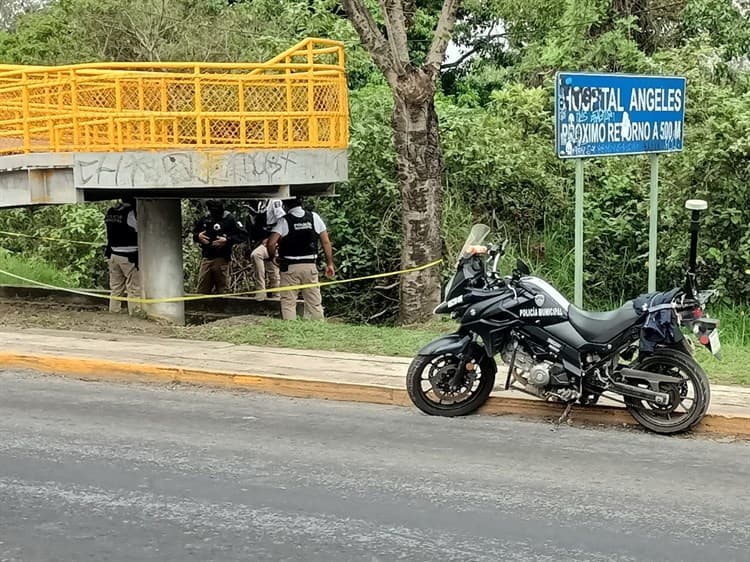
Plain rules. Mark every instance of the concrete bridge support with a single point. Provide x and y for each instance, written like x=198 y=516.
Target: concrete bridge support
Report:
x=160 y=246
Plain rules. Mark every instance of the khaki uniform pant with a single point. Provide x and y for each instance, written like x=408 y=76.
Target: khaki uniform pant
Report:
x=301 y=274
x=264 y=265
x=124 y=277
x=213 y=273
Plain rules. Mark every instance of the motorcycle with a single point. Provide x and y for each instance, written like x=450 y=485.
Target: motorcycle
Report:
x=636 y=355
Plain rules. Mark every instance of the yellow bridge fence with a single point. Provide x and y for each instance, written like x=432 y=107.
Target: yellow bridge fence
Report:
x=295 y=100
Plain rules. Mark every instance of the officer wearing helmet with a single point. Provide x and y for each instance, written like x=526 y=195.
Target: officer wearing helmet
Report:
x=217 y=233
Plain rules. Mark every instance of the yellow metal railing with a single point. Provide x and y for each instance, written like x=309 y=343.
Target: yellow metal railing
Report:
x=296 y=100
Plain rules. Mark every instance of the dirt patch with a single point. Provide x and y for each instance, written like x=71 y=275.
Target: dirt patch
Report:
x=43 y=314
x=90 y=318
x=234 y=321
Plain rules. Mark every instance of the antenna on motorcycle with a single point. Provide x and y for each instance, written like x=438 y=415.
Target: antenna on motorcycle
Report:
x=696 y=206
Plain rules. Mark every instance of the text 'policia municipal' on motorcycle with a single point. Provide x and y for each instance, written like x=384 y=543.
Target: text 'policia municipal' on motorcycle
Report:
x=557 y=352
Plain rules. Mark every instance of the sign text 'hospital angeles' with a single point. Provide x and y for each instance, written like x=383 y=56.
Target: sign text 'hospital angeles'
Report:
x=611 y=114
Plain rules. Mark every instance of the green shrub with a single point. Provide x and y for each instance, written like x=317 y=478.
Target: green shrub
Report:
x=83 y=264
x=32 y=268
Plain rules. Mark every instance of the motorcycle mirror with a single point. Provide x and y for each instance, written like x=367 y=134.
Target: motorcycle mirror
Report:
x=522 y=268
x=696 y=205
x=495 y=261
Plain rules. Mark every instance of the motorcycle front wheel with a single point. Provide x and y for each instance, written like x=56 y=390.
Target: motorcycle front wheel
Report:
x=690 y=394
x=437 y=389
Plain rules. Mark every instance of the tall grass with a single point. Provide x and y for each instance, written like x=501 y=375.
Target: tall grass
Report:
x=734 y=324
x=550 y=255
x=32 y=268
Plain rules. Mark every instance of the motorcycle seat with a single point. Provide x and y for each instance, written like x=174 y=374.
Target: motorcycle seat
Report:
x=602 y=327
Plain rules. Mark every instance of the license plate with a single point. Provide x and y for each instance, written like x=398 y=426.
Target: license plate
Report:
x=713 y=340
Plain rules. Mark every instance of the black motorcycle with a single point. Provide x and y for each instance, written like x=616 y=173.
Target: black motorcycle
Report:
x=636 y=354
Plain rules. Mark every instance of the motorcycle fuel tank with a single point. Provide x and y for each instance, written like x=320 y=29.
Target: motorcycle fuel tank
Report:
x=545 y=304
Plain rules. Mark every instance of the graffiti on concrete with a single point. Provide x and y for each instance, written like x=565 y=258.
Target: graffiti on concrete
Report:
x=177 y=169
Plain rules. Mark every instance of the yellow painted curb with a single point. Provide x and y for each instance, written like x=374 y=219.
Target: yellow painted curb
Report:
x=106 y=370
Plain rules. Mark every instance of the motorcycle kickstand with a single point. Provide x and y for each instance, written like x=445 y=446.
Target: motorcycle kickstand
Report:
x=564 y=416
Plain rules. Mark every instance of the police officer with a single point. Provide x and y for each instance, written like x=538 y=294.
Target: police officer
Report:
x=216 y=233
x=268 y=214
x=294 y=240
x=122 y=254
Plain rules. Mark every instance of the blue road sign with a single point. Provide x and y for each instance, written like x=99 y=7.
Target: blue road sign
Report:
x=618 y=114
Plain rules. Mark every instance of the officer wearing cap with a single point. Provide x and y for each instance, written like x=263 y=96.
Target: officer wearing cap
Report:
x=294 y=241
x=122 y=254
x=217 y=233
x=267 y=215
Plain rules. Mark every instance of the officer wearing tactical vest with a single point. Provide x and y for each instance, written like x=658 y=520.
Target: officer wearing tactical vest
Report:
x=294 y=240
x=217 y=233
x=122 y=254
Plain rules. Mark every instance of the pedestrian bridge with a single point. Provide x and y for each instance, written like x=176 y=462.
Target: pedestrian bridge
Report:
x=161 y=132
x=95 y=131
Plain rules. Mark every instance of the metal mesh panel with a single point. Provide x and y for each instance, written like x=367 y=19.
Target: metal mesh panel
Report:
x=269 y=97
x=223 y=131
x=299 y=98
x=326 y=97
x=180 y=97
x=300 y=131
x=325 y=131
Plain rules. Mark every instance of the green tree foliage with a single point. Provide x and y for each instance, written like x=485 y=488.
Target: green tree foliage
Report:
x=69 y=31
x=720 y=23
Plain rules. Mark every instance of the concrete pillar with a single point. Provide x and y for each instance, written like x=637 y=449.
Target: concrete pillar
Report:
x=160 y=247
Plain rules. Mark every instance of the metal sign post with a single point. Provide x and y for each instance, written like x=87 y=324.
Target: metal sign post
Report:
x=653 y=221
x=578 y=299
x=615 y=115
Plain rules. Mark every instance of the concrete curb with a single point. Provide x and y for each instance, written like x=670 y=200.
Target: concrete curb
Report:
x=105 y=370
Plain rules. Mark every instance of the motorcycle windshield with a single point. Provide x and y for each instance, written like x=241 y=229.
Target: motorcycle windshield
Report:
x=476 y=236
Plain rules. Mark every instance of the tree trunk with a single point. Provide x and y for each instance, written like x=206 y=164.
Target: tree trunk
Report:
x=420 y=167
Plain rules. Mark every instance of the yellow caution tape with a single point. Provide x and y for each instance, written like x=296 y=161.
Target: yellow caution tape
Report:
x=204 y=297
x=193 y=297
x=19 y=235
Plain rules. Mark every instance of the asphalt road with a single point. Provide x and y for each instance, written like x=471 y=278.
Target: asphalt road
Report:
x=94 y=471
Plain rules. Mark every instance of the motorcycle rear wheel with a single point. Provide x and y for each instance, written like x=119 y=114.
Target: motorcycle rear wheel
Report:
x=428 y=371
x=691 y=386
